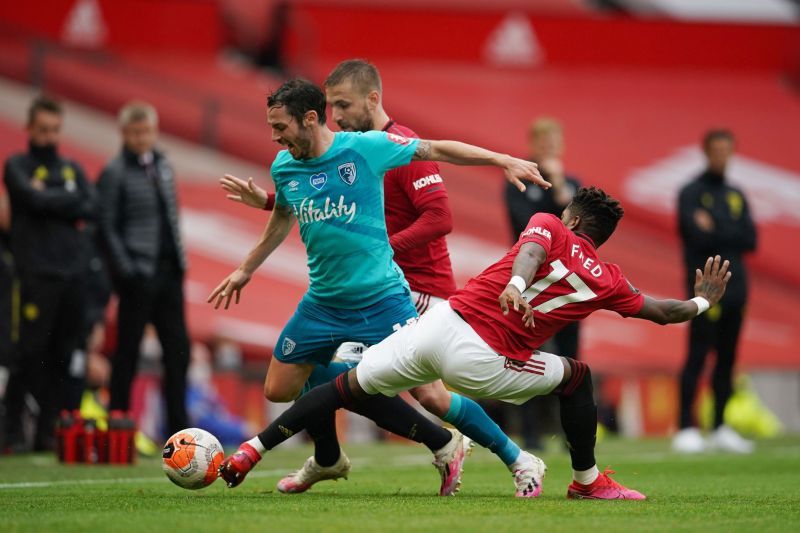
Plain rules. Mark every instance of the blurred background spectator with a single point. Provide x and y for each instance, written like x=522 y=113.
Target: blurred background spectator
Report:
x=714 y=219
x=50 y=200
x=140 y=229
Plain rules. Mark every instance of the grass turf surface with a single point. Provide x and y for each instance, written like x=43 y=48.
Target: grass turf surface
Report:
x=392 y=487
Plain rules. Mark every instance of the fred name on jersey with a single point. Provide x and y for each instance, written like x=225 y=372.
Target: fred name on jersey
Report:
x=318 y=201
x=588 y=263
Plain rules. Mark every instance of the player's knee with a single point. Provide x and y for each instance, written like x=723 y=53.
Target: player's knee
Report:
x=278 y=394
x=580 y=380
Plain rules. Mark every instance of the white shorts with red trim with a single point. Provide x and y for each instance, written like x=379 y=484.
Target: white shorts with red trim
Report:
x=442 y=346
x=423 y=301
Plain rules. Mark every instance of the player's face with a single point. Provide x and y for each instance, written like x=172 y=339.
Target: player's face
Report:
x=718 y=153
x=288 y=132
x=45 y=129
x=349 y=108
x=140 y=136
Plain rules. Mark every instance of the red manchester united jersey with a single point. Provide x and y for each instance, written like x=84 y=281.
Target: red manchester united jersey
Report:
x=407 y=189
x=571 y=284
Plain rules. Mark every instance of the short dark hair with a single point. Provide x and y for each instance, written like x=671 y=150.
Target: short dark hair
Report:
x=361 y=73
x=716 y=135
x=43 y=103
x=299 y=96
x=599 y=213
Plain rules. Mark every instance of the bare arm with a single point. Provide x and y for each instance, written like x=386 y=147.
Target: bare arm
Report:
x=464 y=154
x=274 y=234
x=530 y=258
x=709 y=284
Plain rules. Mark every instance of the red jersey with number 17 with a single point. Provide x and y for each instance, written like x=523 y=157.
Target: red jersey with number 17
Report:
x=570 y=284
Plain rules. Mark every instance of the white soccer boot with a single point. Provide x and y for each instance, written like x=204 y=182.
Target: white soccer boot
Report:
x=528 y=473
x=449 y=461
x=726 y=439
x=688 y=440
x=312 y=472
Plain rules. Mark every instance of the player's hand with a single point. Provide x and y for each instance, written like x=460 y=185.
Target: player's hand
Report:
x=711 y=281
x=231 y=285
x=244 y=192
x=517 y=170
x=511 y=298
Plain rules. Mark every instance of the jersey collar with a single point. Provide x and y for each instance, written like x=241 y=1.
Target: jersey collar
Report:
x=587 y=239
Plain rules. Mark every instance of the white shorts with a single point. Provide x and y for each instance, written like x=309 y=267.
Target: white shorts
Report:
x=423 y=301
x=442 y=346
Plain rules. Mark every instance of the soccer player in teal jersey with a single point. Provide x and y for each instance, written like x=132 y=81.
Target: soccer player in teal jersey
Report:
x=332 y=185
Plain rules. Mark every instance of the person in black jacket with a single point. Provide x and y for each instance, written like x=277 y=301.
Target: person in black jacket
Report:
x=139 y=226
x=714 y=218
x=546 y=147
x=50 y=201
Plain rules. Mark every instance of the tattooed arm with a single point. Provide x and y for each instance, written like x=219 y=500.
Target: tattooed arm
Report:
x=460 y=153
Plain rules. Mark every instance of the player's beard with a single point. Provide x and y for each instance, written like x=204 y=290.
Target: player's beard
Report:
x=362 y=123
x=303 y=143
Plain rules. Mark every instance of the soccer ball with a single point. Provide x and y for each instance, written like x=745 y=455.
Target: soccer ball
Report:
x=191 y=458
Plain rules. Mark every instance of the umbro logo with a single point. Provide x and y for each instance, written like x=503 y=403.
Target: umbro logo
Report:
x=293 y=185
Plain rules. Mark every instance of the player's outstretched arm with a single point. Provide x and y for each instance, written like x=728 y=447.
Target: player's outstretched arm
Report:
x=527 y=263
x=276 y=231
x=516 y=170
x=247 y=192
x=709 y=286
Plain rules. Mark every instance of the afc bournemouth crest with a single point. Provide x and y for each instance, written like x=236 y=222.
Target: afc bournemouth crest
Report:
x=348 y=173
x=288 y=346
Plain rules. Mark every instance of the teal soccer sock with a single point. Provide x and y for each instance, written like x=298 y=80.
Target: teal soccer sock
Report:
x=471 y=420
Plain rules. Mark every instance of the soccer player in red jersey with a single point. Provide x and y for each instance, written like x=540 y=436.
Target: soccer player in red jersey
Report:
x=488 y=349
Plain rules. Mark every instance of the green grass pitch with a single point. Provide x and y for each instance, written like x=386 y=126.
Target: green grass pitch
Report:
x=392 y=488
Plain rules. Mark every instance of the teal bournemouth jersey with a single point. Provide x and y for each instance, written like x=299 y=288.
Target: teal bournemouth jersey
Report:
x=337 y=199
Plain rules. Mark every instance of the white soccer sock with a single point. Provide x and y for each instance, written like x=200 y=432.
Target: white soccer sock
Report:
x=256 y=443
x=586 y=477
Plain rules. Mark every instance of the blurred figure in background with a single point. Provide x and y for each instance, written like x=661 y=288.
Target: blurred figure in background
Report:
x=50 y=200
x=6 y=294
x=546 y=148
x=714 y=218
x=139 y=225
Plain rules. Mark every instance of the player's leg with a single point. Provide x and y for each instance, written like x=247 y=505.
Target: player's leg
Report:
x=727 y=338
x=701 y=330
x=323 y=401
x=579 y=421
x=391 y=414
x=468 y=417
x=462 y=412
x=303 y=346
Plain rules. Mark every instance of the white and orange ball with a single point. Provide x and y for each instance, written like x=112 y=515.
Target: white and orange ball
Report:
x=191 y=458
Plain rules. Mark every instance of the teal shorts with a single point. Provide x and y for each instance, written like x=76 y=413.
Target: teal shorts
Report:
x=315 y=331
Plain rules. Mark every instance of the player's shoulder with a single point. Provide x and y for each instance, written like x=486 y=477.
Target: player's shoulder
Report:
x=548 y=219
x=545 y=225
x=403 y=131
x=692 y=186
x=280 y=162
